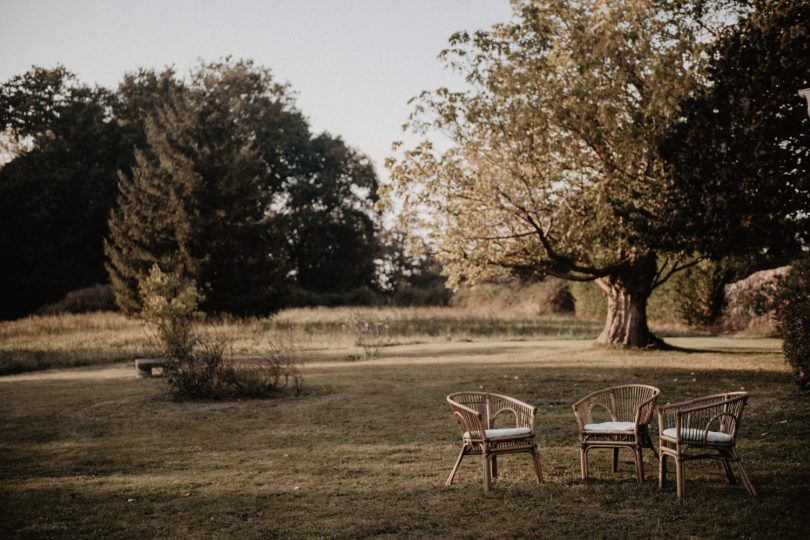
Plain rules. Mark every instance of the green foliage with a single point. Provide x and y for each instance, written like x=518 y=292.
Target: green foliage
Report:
x=330 y=214
x=196 y=202
x=170 y=305
x=796 y=334
x=197 y=365
x=792 y=304
x=589 y=300
x=739 y=159
x=220 y=178
x=693 y=296
x=554 y=144
x=232 y=189
x=56 y=192
x=87 y=299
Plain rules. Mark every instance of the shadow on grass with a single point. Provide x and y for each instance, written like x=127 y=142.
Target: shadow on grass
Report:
x=367 y=452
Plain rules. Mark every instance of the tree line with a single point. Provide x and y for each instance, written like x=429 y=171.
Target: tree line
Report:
x=215 y=176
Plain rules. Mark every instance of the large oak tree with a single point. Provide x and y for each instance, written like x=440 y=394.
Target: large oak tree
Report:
x=554 y=144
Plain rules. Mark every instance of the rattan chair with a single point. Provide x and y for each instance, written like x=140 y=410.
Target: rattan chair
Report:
x=630 y=409
x=475 y=413
x=707 y=423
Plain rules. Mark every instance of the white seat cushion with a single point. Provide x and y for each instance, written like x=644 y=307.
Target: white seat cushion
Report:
x=610 y=426
x=501 y=433
x=694 y=434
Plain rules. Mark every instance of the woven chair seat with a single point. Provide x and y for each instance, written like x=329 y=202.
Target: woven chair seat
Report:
x=696 y=435
x=499 y=433
x=610 y=426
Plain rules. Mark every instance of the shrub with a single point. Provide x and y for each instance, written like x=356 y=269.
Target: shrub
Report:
x=197 y=366
x=693 y=296
x=200 y=374
x=170 y=305
x=267 y=376
x=589 y=300
x=550 y=296
x=372 y=331
x=792 y=307
x=752 y=303
x=95 y=298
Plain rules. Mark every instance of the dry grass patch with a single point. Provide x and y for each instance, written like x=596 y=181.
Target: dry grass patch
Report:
x=91 y=452
x=43 y=342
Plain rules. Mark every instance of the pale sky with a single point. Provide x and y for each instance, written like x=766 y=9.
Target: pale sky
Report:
x=353 y=63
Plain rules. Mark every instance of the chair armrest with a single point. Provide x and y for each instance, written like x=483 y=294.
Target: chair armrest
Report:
x=644 y=411
x=468 y=420
x=583 y=407
x=667 y=417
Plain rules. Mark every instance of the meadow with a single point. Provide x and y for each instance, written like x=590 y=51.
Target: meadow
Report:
x=364 y=452
x=41 y=342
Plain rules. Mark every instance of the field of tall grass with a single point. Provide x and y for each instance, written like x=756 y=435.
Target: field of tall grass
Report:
x=41 y=342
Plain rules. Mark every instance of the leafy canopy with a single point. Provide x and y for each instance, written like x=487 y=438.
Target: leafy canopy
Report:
x=555 y=141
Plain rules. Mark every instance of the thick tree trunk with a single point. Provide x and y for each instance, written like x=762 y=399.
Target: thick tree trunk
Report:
x=627 y=292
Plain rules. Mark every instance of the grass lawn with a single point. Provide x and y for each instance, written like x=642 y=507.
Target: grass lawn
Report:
x=95 y=452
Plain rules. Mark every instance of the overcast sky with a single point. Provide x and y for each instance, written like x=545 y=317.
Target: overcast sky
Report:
x=353 y=63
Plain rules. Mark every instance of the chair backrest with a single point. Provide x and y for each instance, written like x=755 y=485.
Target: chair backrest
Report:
x=477 y=411
x=625 y=403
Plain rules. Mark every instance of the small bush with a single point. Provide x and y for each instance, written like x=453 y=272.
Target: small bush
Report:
x=693 y=296
x=86 y=300
x=197 y=366
x=795 y=329
x=372 y=331
x=170 y=305
x=550 y=296
x=752 y=303
x=792 y=307
x=433 y=295
x=200 y=374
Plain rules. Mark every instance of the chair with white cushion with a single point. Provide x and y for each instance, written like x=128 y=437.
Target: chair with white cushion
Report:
x=476 y=414
x=629 y=408
x=707 y=423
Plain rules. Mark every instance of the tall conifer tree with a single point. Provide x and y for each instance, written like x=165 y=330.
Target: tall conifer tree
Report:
x=195 y=203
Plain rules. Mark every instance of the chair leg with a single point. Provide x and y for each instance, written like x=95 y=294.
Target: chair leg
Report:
x=494 y=466
x=729 y=473
x=679 y=479
x=583 y=461
x=647 y=441
x=537 y=469
x=639 y=465
x=487 y=479
x=749 y=487
x=615 y=459
x=455 y=467
x=662 y=470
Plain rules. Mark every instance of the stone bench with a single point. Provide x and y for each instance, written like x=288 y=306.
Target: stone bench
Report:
x=144 y=366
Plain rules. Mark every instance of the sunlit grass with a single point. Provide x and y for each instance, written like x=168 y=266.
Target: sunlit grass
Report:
x=73 y=340
x=91 y=452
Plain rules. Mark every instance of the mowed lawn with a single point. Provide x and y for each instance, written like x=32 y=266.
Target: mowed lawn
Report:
x=95 y=452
